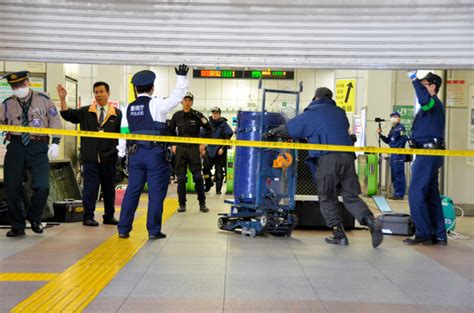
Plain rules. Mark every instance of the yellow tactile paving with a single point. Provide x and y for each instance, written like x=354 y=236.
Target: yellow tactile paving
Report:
x=28 y=276
x=76 y=287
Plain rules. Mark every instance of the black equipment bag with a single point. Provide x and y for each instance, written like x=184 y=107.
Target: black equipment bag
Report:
x=397 y=224
x=69 y=210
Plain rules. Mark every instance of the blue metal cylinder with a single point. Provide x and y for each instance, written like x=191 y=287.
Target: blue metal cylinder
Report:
x=246 y=169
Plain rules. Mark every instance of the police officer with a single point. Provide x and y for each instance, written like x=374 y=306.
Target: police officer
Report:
x=396 y=138
x=322 y=122
x=147 y=160
x=216 y=155
x=188 y=123
x=27 y=151
x=427 y=133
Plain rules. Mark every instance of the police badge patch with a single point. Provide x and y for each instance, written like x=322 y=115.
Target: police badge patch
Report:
x=204 y=120
x=36 y=122
x=53 y=111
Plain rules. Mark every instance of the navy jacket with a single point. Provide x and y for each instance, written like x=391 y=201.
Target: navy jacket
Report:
x=430 y=120
x=322 y=122
x=397 y=137
x=221 y=130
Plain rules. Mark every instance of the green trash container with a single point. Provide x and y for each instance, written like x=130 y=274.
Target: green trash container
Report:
x=367 y=171
x=449 y=213
x=230 y=172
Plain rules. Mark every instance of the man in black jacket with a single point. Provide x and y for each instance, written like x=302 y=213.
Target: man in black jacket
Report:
x=98 y=156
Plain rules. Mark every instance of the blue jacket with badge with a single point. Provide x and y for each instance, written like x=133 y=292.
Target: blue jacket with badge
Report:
x=322 y=122
x=430 y=120
x=397 y=137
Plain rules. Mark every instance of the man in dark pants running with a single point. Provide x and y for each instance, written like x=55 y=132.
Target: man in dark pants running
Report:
x=322 y=122
x=188 y=123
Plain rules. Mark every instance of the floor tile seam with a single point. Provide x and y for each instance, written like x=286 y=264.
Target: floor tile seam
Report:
x=307 y=279
x=225 y=274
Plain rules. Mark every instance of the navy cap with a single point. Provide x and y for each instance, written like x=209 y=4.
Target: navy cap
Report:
x=395 y=114
x=16 y=77
x=433 y=79
x=143 y=78
x=189 y=95
x=216 y=109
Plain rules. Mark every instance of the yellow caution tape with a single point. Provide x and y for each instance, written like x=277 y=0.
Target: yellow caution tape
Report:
x=239 y=143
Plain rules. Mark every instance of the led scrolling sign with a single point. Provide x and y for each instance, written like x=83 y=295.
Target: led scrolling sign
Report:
x=243 y=74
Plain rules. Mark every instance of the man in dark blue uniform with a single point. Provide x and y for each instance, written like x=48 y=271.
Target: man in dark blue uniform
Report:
x=216 y=155
x=427 y=133
x=322 y=122
x=396 y=138
x=147 y=161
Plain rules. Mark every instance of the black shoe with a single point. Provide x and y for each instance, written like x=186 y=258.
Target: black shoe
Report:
x=90 y=222
x=338 y=236
x=208 y=187
x=182 y=208
x=110 y=221
x=15 y=233
x=203 y=208
x=124 y=235
x=418 y=241
x=440 y=242
x=159 y=236
x=396 y=198
x=218 y=192
x=37 y=227
x=375 y=227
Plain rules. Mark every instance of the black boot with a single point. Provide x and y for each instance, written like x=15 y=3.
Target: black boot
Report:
x=208 y=184
x=338 y=236
x=218 y=186
x=375 y=227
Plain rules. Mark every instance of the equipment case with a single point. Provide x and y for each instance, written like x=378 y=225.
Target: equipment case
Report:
x=69 y=210
x=397 y=224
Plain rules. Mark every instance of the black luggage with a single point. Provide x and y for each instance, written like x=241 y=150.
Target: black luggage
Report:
x=69 y=210
x=397 y=224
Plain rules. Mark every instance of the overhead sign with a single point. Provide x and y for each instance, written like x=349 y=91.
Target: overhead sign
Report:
x=346 y=94
x=243 y=74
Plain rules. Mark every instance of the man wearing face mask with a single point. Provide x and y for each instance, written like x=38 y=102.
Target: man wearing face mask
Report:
x=396 y=139
x=427 y=133
x=27 y=151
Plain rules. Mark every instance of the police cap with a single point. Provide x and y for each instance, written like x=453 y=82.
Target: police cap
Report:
x=16 y=77
x=143 y=79
x=189 y=96
x=216 y=109
x=433 y=79
x=395 y=114
x=323 y=93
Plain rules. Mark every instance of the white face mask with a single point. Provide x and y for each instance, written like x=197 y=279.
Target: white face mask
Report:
x=21 y=92
x=394 y=120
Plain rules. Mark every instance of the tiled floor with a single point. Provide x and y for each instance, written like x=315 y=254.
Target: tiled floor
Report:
x=199 y=268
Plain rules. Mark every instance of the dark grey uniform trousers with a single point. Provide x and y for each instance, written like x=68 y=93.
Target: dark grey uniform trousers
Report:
x=336 y=171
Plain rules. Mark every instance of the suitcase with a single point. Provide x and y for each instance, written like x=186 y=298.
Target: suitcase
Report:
x=67 y=211
x=397 y=224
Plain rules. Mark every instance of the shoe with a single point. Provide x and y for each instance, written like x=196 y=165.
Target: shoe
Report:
x=203 y=208
x=124 y=235
x=159 y=236
x=218 y=192
x=396 y=198
x=15 y=233
x=37 y=227
x=182 y=208
x=90 y=222
x=417 y=241
x=110 y=221
x=375 y=227
x=338 y=236
x=440 y=242
x=208 y=187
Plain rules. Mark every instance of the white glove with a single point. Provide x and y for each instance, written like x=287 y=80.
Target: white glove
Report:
x=411 y=74
x=53 y=151
x=122 y=148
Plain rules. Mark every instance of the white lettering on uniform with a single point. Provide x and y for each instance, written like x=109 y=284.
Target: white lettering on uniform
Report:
x=137 y=110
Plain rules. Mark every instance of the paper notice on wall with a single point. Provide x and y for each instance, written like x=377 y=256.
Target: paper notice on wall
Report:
x=470 y=126
x=455 y=93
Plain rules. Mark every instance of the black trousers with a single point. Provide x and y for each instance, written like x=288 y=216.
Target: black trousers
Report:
x=219 y=163
x=336 y=171
x=18 y=158
x=189 y=156
x=95 y=174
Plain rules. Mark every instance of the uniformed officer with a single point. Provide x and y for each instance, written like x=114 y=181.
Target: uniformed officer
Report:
x=216 y=155
x=396 y=138
x=188 y=123
x=427 y=133
x=27 y=151
x=147 y=160
x=322 y=122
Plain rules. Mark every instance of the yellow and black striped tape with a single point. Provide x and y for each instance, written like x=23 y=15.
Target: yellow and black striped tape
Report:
x=239 y=143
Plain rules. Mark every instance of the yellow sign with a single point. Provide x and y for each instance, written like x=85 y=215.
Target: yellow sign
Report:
x=346 y=94
x=131 y=90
